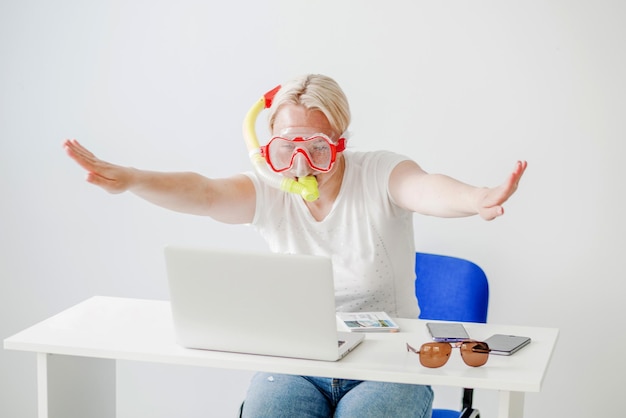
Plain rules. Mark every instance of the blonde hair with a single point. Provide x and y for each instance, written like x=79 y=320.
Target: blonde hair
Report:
x=318 y=92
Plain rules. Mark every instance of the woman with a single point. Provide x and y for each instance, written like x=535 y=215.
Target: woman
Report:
x=362 y=220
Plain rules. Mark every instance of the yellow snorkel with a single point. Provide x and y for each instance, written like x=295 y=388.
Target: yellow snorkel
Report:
x=304 y=186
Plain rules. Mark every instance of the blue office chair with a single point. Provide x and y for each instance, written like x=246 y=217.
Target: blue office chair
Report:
x=451 y=289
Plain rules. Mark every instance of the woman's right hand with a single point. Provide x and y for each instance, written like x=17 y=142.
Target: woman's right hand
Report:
x=111 y=177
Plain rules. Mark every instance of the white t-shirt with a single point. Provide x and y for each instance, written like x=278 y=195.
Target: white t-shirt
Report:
x=368 y=237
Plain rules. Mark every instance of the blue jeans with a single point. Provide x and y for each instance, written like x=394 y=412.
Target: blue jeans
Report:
x=277 y=395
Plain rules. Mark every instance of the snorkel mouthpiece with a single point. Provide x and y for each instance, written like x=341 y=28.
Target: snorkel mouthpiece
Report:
x=304 y=186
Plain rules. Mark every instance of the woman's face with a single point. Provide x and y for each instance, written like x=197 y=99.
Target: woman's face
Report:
x=297 y=120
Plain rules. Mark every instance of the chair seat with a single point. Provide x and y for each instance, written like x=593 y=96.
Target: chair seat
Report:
x=445 y=413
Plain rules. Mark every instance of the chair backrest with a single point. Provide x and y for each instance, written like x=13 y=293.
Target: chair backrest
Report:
x=450 y=289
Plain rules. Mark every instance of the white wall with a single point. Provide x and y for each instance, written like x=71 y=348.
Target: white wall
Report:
x=465 y=88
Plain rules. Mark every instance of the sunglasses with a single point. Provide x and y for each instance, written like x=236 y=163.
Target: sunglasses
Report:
x=436 y=354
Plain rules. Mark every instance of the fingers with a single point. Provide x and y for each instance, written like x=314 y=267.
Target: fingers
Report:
x=492 y=203
x=520 y=167
x=85 y=158
x=76 y=151
x=107 y=184
x=511 y=184
x=492 y=212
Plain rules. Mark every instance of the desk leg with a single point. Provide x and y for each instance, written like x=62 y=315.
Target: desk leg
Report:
x=42 y=385
x=75 y=387
x=511 y=405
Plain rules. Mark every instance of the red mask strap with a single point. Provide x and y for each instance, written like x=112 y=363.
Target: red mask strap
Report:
x=341 y=144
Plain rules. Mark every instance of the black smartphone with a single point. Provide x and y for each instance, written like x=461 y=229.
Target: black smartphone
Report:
x=505 y=345
x=447 y=331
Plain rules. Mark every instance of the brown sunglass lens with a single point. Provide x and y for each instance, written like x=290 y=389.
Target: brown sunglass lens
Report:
x=475 y=354
x=434 y=354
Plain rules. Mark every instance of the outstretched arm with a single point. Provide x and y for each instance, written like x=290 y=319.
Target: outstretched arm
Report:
x=439 y=195
x=230 y=200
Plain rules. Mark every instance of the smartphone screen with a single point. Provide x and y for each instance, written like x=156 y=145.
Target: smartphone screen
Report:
x=506 y=344
x=447 y=331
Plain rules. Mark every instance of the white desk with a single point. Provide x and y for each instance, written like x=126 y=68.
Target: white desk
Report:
x=141 y=330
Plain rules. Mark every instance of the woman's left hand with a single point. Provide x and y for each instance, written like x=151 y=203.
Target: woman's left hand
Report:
x=490 y=205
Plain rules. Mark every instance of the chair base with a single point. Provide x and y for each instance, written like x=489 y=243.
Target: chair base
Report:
x=470 y=413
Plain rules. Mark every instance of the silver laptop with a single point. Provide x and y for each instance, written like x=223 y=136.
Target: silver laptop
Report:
x=255 y=303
